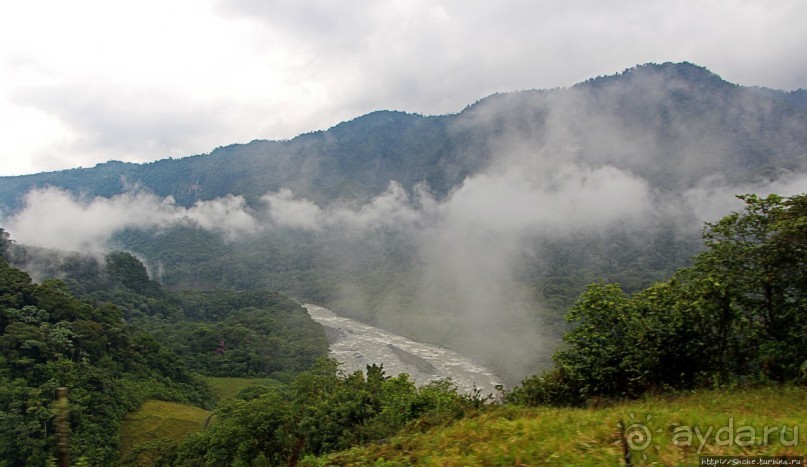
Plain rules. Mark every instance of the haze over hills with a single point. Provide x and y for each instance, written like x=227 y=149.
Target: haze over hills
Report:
x=677 y=122
x=474 y=230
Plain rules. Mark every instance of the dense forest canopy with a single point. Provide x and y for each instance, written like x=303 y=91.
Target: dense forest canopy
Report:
x=480 y=230
x=737 y=315
x=51 y=339
x=475 y=230
x=125 y=340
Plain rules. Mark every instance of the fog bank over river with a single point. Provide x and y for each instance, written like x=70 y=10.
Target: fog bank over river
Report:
x=357 y=345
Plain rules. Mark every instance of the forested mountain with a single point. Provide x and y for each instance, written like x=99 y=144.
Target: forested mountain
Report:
x=51 y=339
x=671 y=123
x=256 y=333
x=735 y=317
x=115 y=338
x=475 y=230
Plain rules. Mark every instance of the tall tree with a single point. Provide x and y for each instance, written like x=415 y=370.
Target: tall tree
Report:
x=739 y=313
x=754 y=276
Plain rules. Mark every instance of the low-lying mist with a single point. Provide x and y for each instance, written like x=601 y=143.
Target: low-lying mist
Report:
x=573 y=191
x=461 y=280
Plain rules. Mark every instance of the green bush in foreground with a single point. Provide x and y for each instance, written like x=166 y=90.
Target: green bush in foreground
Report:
x=739 y=314
x=321 y=411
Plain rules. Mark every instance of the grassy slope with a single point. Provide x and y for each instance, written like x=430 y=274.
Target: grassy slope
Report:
x=227 y=388
x=160 y=423
x=522 y=436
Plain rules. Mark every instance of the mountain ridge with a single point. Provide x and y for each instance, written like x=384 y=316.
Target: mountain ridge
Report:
x=464 y=229
x=358 y=158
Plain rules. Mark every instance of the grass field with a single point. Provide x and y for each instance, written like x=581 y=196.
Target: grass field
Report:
x=228 y=388
x=156 y=425
x=661 y=430
x=160 y=425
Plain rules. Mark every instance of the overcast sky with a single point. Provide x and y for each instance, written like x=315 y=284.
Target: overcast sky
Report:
x=87 y=81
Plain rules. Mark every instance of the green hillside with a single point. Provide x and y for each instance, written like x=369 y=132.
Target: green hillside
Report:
x=229 y=387
x=94 y=333
x=733 y=321
x=50 y=339
x=556 y=236
x=392 y=218
x=263 y=333
x=151 y=434
x=754 y=422
x=155 y=427
x=680 y=108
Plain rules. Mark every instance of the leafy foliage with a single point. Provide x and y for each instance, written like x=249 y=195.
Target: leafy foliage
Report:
x=50 y=339
x=131 y=340
x=4 y=242
x=738 y=314
x=263 y=333
x=260 y=334
x=321 y=411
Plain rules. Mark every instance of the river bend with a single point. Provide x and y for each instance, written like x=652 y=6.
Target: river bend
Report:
x=356 y=345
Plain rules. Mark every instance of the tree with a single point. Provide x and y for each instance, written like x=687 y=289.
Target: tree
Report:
x=48 y=339
x=128 y=270
x=5 y=240
x=322 y=411
x=754 y=274
x=739 y=313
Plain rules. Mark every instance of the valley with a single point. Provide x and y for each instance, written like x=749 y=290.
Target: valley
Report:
x=633 y=242
x=357 y=345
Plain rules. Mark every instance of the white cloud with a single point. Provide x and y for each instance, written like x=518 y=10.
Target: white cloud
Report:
x=714 y=198
x=228 y=215
x=85 y=82
x=54 y=218
x=287 y=211
x=560 y=200
x=392 y=208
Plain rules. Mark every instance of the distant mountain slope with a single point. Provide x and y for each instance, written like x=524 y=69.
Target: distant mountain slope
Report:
x=671 y=123
x=475 y=230
x=356 y=159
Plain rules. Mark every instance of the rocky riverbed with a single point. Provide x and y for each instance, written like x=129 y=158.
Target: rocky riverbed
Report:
x=357 y=345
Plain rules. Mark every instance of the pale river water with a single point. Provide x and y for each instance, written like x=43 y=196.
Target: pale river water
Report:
x=356 y=345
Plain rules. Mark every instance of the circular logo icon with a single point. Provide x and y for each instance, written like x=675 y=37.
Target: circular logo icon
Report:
x=637 y=435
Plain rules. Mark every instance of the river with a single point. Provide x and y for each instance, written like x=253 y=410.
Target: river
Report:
x=356 y=345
